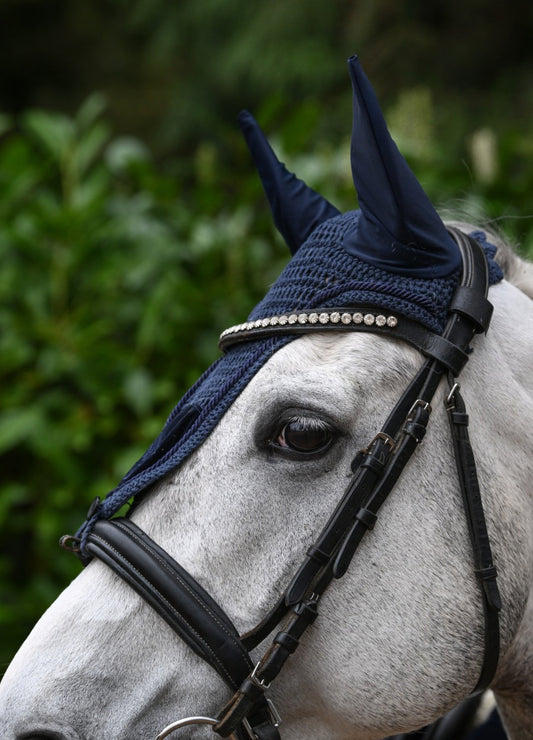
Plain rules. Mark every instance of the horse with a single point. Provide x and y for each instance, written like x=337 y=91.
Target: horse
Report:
x=252 y=464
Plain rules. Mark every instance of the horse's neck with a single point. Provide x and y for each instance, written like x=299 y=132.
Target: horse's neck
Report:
x=514 y=686
x=517 y=271
x=514 y=682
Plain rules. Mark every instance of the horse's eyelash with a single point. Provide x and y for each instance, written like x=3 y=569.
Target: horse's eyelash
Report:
x=311 y=422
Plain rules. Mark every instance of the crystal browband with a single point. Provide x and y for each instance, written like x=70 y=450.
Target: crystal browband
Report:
x=304 y=321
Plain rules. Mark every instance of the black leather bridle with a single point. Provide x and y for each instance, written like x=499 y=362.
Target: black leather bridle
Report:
x=201 y=622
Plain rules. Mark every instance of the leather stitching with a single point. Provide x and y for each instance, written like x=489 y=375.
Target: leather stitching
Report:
x=142 y=578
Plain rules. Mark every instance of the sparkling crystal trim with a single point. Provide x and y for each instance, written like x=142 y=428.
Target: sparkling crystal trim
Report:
x=314 y=318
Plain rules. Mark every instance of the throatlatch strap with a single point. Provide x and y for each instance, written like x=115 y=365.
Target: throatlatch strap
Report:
x=484 y=567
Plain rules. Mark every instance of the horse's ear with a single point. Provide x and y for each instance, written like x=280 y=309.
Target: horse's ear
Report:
x=399 y=230
x=297 y=208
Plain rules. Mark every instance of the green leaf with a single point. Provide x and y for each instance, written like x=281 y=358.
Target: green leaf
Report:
x=54 y=131
x=90 y=111
x=89 y=146
x=16 y=425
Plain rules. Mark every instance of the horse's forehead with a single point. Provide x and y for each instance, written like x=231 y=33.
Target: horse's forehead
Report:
x=331 y=365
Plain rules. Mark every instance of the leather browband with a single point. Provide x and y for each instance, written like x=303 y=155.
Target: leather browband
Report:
x=470 y=311
x=426 y=341
x=196 y=617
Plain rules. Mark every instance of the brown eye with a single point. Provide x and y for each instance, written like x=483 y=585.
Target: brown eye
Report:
x=304 y=435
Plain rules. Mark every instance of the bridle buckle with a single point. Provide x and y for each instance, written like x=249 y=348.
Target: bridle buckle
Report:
x=259 y=682
x=449 y=402
x=419 y=403
x=379 y=436
x=274 y=716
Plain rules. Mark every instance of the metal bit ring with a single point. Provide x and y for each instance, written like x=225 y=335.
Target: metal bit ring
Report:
x=189 y=721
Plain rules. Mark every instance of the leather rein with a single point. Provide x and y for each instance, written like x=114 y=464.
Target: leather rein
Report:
x=192 y=613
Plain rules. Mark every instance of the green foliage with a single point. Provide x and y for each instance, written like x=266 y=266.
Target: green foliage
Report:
x=117 y=279
x=112 y=295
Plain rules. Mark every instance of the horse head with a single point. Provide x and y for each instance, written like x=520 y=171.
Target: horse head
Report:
x=280 y=458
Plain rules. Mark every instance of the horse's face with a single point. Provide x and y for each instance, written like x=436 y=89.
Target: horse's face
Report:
x=398 y=640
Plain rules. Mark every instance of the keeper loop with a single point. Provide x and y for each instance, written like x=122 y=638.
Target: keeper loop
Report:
x=367 y=518
x=459 y=418
x=287 y=641
x=317 y=554
x=487 y=574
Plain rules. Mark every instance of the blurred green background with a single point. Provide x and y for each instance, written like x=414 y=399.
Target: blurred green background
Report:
x=133 y=229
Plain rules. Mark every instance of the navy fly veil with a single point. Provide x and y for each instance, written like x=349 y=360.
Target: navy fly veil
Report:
x=394 y=254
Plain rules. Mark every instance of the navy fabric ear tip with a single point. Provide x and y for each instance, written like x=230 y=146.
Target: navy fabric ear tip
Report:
x=297 y=209
x=399 y=229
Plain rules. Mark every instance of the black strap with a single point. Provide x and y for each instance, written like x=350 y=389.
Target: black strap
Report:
x=426 y=341
x=174 y=594
x=477 y=527
x=380 y=463
x=186 y=607
x=376 y=471
x=284 y=644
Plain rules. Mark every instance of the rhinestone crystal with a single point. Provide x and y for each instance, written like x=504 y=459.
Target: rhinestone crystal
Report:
x=313 y=318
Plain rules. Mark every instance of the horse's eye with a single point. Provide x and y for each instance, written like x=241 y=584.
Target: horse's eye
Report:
x=306 y=436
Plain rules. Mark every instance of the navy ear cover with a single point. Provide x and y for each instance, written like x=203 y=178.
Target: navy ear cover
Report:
x=399 y=229
x=296 y=208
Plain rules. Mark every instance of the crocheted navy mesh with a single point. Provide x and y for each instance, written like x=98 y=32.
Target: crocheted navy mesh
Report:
x=323 y=275
x=320 y=275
